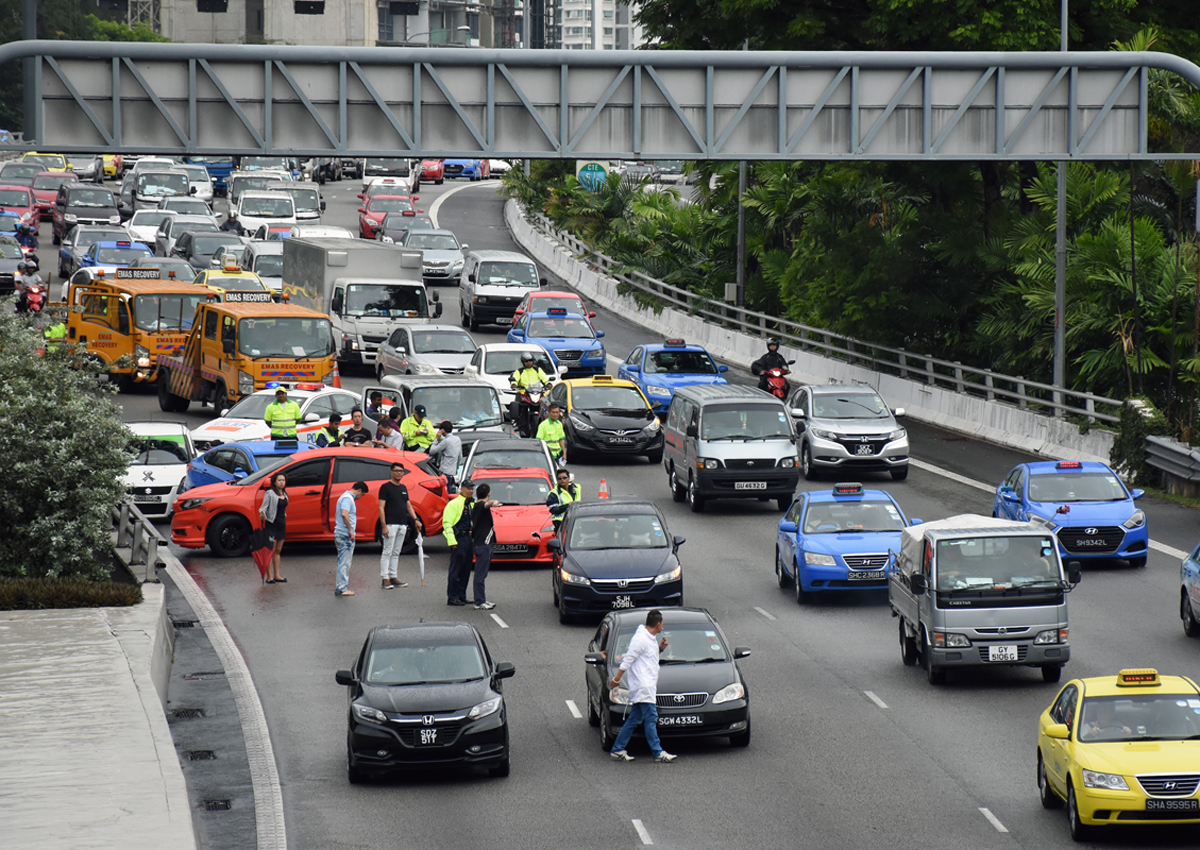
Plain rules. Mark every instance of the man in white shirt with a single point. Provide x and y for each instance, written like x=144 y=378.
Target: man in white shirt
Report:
x=641 y=662
x=343 y=535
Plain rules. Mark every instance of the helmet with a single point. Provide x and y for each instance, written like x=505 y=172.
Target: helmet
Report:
x=22 y=265
x=232 y=215
x=31 y=264
x=526 y=357
x=773 y=341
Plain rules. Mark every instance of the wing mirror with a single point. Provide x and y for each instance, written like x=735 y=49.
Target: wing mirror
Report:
x=916 y=583
x=633 y=367
x=344 y=677
x=554 y=545
x=899 y=411
x=505 y=670
x=1074 y=572
x=692 y=431
x=797 y=412
x=741 y=652
x=593 y=658
x=227 y=346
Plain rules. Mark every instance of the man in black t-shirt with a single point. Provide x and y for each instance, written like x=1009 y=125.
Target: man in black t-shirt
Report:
x=395 y=513
x=356 y=434
x=483 y=536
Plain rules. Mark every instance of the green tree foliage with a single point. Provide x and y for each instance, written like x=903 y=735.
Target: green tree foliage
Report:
x=62 y=462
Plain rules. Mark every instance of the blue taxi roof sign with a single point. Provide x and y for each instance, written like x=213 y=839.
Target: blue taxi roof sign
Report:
x=1068 y=464
x=557 y=311
x=674 y=343
x=848 y=489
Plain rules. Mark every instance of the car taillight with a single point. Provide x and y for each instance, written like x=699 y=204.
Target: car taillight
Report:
x=434 y=486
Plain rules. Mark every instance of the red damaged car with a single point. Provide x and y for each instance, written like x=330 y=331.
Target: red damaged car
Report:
x=522 y=515
x=371 y=215
x=221 y=516
x=45 y=190
x=433 y=170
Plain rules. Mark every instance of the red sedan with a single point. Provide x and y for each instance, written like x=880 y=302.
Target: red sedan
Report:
x=541 y=300
x=221 y=516
x=433 y=169
x=19 y=200
x=523 y=524
x=370 y=216
x=45 y=190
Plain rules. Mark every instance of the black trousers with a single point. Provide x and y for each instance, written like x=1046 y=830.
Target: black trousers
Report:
x=460 y=568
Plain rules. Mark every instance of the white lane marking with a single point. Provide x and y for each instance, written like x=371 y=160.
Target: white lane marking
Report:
x=765 y=614
x=641 y=831
x=979 y=485
x=437 y=205
x=875 y=699
x=993 y=820
x=574 y=709
x=499 y=622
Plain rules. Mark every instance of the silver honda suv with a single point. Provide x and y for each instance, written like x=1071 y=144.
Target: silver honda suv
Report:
x=847 y=427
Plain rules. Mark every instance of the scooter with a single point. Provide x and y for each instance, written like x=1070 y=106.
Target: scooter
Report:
x=777 y=384
x=529 y=409
x=35 y=297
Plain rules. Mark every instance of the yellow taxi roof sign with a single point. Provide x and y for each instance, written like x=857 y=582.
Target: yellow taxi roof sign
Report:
x=602 y=379
x=1138 y=678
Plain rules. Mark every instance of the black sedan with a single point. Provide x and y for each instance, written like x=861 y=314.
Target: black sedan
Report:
x=426 y=694
x=612 y=555
x=701 y=691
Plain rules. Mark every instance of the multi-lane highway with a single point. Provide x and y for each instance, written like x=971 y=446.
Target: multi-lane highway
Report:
x=850 y=750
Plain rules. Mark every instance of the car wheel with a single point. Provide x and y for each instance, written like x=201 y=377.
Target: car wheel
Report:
x=564 y=616
x=1191 y=628
x=900 y=474
x=440 y=182
x=502 y=769
x=356 y=776
x=694 y=499
x=55 y=238
x=780 y=576
x=229 y=536
x=607 y=736
x=164 y=393
x=1079 y=830
x=1051 y=672
x=593 y=715
x=908 y=647
x=678 y=491
x=464 y=320
x=802 y=595
x=935 y=675
x=473 y=322
x=221 y=400
x=806 y=463
x=1050 y=800
x=655 y=457
x=378 y=369
x=1137 y=563
x=783 y=503
x=741 y=739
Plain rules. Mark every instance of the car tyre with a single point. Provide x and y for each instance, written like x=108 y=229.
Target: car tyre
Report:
x=1137 y=563
x=229 y=536
x=935 y=675
x=440 y=182
x=802 y=595
x=593 y=715
x=1051 y=672
x=655 y=457
x=1050 y=800
x=694 y=499
x=221 y=399
x=1191 y=628
x=356 y=776
x=464 y=320
x=900 y=474
x=780 y=575
x=1079 y=830
x=678 y=491
x=501 y=769
x=783 y=503
x=908 y=647
x=607 y=736
x=564 y=616
x=741 y=739
x=806 y=463
x=164 y=393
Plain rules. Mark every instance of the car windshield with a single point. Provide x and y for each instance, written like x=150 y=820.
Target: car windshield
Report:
x=1076 y=487
x=518 y=274
x=996 y=564
x=10 y=249
x=397 y=167
x=211 y=160
x=507 y=362
x=53 y=181
x=14 y=198
x=562 y=327
x=257 y=162
x=418 y=665
x=189 y=206
x=204 y=243
x=119 y=256
x=196 y=174
x=396 y=301
x=267 y=207
x=432 y=241
x=555 y=302
x=465 y=406
x=206 y=225
x=442 y=342
x=159 y=450
x=245 y=183
x=849 y=405
x=181 y=269
x=86 y=237
x=306 y=200
x=518 y=490
x=389 y=205
x=94 y=198
x=687 y=643
x=269 y=265
x=236 y=282
x=21 y=170
x=760 y=422
x=508 y=459
x=251 y=407
x=285 y=337
x=165 y=312
x=162 y=183
x=668 y=362
x=857 y=516
x=607 y=398
x=1140 y=717
x=624 y=531
x=47 y=160
x=148 y=218
x=672 y=166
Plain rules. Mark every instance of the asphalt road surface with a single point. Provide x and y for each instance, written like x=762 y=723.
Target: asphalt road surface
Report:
x=850 y=749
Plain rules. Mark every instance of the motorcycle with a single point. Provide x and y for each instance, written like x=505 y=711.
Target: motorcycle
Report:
x=529 y=409
x=777 y=384
x=35 y=297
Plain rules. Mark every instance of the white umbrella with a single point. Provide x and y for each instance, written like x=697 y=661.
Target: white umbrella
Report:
x=421 y=557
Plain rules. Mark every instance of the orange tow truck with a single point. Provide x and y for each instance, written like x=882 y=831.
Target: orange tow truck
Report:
x=127 y=318
x=241 y=342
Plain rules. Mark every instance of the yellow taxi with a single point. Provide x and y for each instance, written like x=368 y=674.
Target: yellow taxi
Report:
x=230 y=277
x=1122 y=749
x=113 y=165
x=48 y=161
x=607 y=415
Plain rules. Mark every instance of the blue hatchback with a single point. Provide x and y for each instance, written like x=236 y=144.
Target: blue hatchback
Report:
x=838 y=539
x=661 y=368
x=1083 y=503
x=234 y=461
x=568 y=337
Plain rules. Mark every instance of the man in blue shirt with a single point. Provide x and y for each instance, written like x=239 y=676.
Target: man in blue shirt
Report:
x=343 y=535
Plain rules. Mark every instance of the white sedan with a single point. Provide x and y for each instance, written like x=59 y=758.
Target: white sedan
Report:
x=158 y=470
x=495 y=362
x=244 y=421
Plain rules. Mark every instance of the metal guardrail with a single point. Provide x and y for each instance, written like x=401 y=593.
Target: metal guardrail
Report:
x=1173 y=457
x=945 y=374
x=138 y=535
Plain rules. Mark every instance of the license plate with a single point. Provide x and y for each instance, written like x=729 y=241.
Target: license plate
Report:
x=1172 y=805
x=864 y=449
x=504 y=321
x=682 y=720
x=620 y=440
x=1002 y=653
x=867 y=575
x=623 y=602
x=427 y=737
x=750 y=485
x=510 y=547
x=145 y=498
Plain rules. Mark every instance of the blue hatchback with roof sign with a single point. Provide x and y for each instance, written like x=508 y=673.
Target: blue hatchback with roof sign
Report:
x=838 y=539
x=1087 y=507
x=568 y=337
x=661 y=368
x=114 y=254
x=234 y=461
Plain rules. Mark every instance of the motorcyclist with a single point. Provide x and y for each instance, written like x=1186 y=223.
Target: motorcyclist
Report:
x=771 y=360
x=233 y=225
x=26 y=276
x=26 y=237
x=522 y=379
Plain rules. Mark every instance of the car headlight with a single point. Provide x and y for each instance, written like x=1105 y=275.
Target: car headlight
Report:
x=141 y=356
x=822 y=434
x=707 y=463
x=1137 y=520
x=943 y=640
x=669 y=575
x=619 y=695
x=488 y=706
x=581 y=423
x=898 y=434
x=571 y=578
x=371 y=715
x=70 y=217
x=1051 y=636
x=457 y=264
x=189 y=504
x=729 y=693
x=1111 y=781
x=600 y=353
x=245 y=383
x=788 y=462
x=816 y=559
x=653 y=426
x=427 y=369
x=651 y=389
x=480 y=299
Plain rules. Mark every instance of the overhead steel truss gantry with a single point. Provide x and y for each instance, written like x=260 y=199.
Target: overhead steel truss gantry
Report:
x=317 y=101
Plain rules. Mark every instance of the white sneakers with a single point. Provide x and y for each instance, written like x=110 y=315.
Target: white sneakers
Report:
x=621 y=755
x=665 y=757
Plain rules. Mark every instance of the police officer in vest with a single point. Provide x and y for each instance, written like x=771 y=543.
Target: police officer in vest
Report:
x=282 y=416
x=562 y=495
x=55 y=332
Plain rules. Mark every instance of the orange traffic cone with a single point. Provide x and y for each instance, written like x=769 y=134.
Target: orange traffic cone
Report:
x=337 y=377
x=603 y=489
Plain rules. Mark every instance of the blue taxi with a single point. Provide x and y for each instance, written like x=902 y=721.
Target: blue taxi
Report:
x=1085 y=505
x=234 y=461
x=568 y=337
x=838 y=539
x=661 y=368
x=114 y=254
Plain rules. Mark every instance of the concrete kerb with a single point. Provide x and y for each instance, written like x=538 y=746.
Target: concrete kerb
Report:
x=993 y=421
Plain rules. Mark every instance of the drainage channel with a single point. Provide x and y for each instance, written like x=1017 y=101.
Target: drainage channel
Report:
x=207 y=733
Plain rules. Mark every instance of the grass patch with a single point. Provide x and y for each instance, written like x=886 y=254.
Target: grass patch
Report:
x=36 y=594
x=1192 y=502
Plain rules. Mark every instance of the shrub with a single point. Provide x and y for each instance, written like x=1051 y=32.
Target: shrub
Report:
x=35 y=594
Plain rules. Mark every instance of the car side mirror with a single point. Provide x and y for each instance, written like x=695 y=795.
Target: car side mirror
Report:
x=632 y=367
x=239 y=474
x=899 y=411
x=1074 y=572
x=322 y=206
x=741 y=652
x=1058 y=730
x=362 y=209
x=679 y=541
x=193 y=190
x=916 y=583
x=505 y=670
x=437 y=309
x=554 y=545
x=543 y=282
x=312 y=417
x=562 y=370
x=344 y=677
x=518 y=312
x=416 y=197
x=797 y=412
x=599 y=334
x=593 y=658
x=471 y=277
x=227 y=346
x=224 y=411
x=360 y=196
x=692 y=431
x=436 y=296
x=787 y=527
x=722 y=368
x=1137 y=494
x=912 y=520
x=1010 y=496
x=464 y=247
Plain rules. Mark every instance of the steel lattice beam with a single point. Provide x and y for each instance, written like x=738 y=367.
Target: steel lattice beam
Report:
x=194 y=98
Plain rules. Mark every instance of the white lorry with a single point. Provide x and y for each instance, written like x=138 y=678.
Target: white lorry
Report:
x=366 y=288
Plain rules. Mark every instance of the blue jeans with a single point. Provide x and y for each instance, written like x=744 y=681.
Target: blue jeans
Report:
x=483 y=560
x=345 y=552
x=640 y=714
